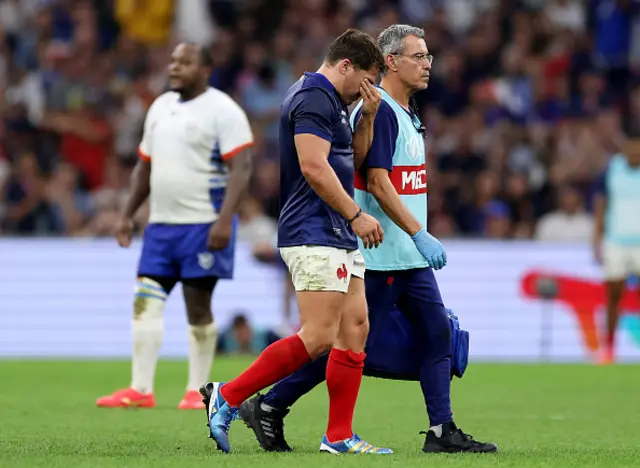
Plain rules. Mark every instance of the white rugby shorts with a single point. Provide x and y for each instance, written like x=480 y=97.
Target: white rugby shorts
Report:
x=620 y=261
x=320 y=268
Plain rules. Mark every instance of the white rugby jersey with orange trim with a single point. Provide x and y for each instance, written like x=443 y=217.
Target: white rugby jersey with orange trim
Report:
x=187 y=143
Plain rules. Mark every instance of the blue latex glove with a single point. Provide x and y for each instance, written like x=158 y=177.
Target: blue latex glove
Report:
x=430 y=248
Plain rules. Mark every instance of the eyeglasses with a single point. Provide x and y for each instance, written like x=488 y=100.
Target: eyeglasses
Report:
x=419 y=57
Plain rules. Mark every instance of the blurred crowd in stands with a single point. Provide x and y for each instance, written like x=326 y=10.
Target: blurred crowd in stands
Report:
x=527 y=101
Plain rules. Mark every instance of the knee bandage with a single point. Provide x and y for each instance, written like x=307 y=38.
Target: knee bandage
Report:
x=149 y=300
x=147 y=331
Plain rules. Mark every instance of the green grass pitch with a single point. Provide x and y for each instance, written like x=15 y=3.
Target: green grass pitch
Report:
x=540 y=415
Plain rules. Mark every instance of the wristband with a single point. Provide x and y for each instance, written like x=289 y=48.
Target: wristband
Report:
x=356 y=216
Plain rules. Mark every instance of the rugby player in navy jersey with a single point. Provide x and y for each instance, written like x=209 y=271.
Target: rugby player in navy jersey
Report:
x=318 y=233
x=412 y=336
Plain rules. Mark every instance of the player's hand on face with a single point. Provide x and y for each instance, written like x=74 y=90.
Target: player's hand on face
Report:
x=124 y=232
x=369 y=230
x=370 y=98
x=219 y=235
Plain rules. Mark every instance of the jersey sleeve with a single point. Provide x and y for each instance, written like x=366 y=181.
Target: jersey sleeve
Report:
x=144 y=149
x=385 y=134
x=234 y=131
x=312 y=112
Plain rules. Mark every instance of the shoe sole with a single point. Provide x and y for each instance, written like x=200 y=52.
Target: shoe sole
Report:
x=324 y=448
x=135 y=404
x=439 y=449
x=207 y=396
x=127 y=404
x=191 y=407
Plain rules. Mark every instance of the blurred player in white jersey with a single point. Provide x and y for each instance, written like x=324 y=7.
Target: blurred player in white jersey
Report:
x=195 y=165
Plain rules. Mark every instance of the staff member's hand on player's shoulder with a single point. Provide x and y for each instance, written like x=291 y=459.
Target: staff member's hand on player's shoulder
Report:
x=368 y=229
x=124 y=232
x=371 y=98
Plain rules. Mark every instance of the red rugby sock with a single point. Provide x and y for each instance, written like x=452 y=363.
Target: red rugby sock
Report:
x=344 y=375
x=276 y=362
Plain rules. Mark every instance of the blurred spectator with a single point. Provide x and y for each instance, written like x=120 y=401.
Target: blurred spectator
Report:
x=72 y=206
x=147 y=21
x=566 y=14
x=193 y=21
x=570 y=222
x=242 y=338
x=28 y=210
x=84 y=140
x=255 y=226
x=497 y=220
x=262 y=98
x=526 y=98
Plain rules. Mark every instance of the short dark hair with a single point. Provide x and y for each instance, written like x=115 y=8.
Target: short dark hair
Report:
x=206 y=60
x=358 y=47
x=204 y=53
x=239 y=320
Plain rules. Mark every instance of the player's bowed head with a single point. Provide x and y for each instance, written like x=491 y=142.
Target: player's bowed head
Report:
x=353 y=59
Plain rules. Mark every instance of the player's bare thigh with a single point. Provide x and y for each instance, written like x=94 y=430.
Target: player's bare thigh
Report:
x=320 y=313
x=320 y=278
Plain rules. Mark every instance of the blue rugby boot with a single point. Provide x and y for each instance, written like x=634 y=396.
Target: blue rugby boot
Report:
x=219 y=414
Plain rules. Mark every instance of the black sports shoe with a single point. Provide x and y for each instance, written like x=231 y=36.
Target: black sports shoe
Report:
x=206 y=391
x=453 y=440
x=268 y=426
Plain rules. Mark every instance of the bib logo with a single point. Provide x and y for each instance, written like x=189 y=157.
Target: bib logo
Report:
x=409 y=180
x=414 y=180
x=414 y=148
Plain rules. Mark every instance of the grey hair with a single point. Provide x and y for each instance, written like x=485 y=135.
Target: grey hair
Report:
x=391 y=40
